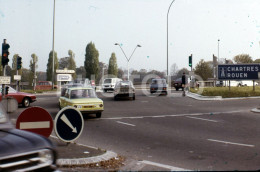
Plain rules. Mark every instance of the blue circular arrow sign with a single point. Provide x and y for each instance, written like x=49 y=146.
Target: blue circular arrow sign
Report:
x=69 y=124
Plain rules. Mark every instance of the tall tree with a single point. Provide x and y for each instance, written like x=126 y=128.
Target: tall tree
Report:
x=203 y=70
x=1 y=67
x=112 y=66
x=14 y=66
x=174 y=69
x=243 y=58
x=49 y=66
x=180 y=72
x=257 y=61
x=91 y=63
x=33 y=68
x=72 y=63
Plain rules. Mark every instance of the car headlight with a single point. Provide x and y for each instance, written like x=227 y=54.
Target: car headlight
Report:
x=101 y=105
x=78 y=106
x=46 y=156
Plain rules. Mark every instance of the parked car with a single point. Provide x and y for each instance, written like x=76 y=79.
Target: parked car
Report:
x=177 y=84
x=84 y=99
x=25 y=99
x=109 y=84
x=124 y=89
x=158 y=86
x=22 y=150
x=45 y=85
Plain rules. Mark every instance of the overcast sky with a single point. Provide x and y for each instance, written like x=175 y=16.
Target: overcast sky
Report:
x=194 y=28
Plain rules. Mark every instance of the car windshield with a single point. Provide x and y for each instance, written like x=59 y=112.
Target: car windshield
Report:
x=107 y=81
x=158 y=81
x=83 y=93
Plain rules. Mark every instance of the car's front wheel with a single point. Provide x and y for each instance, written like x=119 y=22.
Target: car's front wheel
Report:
x=26 y=102
x=98 y=115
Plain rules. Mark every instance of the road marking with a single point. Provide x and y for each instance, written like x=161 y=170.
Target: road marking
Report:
x=177 y=115
x=239 y=144
x=34 y=125
x=202 y=119
x=125 y=123
x=172 y=168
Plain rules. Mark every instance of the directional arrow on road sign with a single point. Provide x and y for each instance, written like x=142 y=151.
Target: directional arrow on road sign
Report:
x=65 y=119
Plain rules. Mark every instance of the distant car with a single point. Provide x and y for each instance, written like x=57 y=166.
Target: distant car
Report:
x=124 y=89
x=109 y=84
x=158 y=86
x=178 y=84
x=24 y=151
x=25 y=99
x=84 y=99
x=45 y=85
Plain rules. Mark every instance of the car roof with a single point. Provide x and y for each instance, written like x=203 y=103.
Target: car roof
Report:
x=80 y=88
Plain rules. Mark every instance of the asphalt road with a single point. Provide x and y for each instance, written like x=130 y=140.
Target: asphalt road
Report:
x=173 y=132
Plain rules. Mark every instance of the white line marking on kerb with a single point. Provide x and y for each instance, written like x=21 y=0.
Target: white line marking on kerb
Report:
x=125 y=123
x=202 y=119
x=163 y=166
x=34 y=125
x=232 y=143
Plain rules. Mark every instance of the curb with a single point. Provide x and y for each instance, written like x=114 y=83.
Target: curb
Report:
x=199 y=97
x=85 y=161
x=210 y=98
x=256 y=110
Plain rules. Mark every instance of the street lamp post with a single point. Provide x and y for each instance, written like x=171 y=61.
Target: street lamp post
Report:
x=128 y=59
x=218 y=50
x=167 y=37
x=53 y=46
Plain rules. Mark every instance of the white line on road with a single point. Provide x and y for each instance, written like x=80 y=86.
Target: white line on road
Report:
x=34 y=125
x=202 y=119
x=125 y=123
x=176 y=115
x=239 y=144
x=163 y=166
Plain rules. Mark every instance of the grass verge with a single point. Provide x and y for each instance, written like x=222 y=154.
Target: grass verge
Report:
x=233 y=92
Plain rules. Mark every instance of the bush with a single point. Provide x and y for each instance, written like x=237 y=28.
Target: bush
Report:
x=233 y=92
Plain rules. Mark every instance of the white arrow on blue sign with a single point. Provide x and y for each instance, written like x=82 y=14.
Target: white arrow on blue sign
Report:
x=69 y=124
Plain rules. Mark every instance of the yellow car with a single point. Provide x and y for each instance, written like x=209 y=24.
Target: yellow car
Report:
x=84 y=99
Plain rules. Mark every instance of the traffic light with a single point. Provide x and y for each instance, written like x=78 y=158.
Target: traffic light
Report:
x=19 y=62
x=190 y=60
x=6 y=90
x=5 y=53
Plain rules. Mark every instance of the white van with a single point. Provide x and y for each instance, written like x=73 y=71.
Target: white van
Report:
x=109 y=84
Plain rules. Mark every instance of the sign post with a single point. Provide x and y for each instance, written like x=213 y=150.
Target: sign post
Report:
x=69 y=124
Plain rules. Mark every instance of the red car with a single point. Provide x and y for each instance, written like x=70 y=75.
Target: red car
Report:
x=22 y=98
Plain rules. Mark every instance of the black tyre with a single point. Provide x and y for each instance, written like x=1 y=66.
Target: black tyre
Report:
x=177 y=89
x=98 y=115
x=115 y=98
x=26 y=102
x=134 y=97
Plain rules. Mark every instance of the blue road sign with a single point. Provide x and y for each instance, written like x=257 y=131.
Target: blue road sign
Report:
x=238 y=72
x=69 y=124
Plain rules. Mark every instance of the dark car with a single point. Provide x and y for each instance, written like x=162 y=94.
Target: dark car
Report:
x=24 y=151
x=178 y=84
x=158 y=86
x=124 y=89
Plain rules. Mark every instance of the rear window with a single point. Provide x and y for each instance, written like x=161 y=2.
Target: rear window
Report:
x=158 y=81
x=108 y=81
